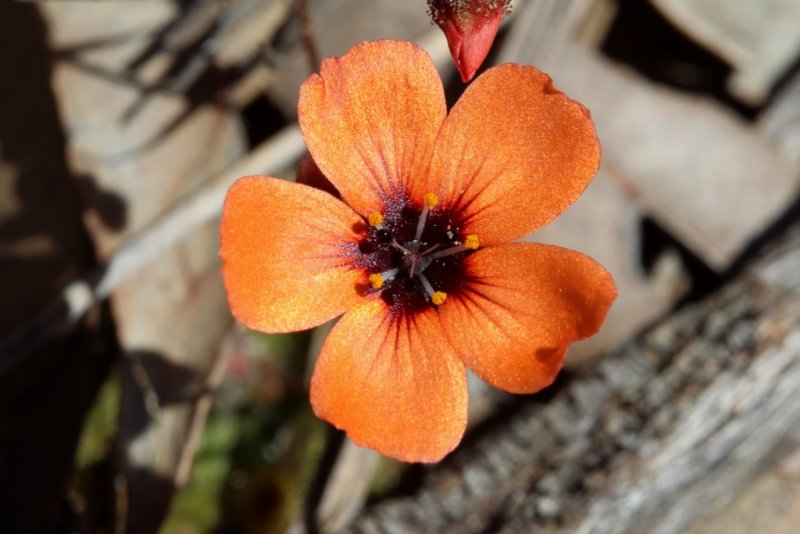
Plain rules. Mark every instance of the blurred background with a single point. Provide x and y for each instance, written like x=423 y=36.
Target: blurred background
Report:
x=130 y=401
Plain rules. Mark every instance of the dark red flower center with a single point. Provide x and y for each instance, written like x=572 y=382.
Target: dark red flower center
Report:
x=415 y=254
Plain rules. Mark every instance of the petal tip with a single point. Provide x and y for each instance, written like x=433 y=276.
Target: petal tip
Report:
x=388 y=390
x=363 y=151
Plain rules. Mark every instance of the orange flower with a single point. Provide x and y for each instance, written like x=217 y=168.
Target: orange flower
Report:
x=416 y=253
x=470 y=27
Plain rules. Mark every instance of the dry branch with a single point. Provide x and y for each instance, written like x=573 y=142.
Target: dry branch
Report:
x=675 y=423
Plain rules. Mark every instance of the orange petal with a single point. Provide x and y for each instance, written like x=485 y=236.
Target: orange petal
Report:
x=393 y=383
x=522 y=307
x=513 y=154
x=287 y=252
x=370 y=120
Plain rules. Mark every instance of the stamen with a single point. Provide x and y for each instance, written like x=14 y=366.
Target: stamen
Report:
x=375 y=219
x=430 y=249
x=412 y=268
x=430 y=202
x=428 y=287
x=399 y=247
x=377 y=280
x=470 y=243
x=449 y=251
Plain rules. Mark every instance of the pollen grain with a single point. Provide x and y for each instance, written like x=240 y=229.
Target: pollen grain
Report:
x=376 y=281
x=431 y=200
x=472 y=242
x=375 y=218
x=439 y=297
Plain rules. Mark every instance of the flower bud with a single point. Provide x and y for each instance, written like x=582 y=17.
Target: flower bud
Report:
x=470 y=27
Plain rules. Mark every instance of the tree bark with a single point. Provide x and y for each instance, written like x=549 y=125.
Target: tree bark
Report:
x=675 y=423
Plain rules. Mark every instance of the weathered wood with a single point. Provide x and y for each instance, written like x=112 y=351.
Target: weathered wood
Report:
x=142 y=147
x=771 y=504
x=692 y=165
x=674 y=423
x=171 y=319
x=760 y=39
x=175 y=225
x=141 y=95
x=137 y=127
x=348 y=487
x=780 y=123
x=42 y=245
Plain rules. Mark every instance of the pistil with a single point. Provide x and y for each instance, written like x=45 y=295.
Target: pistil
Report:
x=419 y=261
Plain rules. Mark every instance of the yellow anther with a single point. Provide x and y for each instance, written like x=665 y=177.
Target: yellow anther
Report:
x=472 y=242
x=438 y=297
x=376 y=280
x=375 y=218
x=431 y=200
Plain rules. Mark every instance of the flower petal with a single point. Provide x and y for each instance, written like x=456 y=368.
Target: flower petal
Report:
x=370 y=120
x=287 y=251
x=393 y=383
x=513 y=154
x=523 y=305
